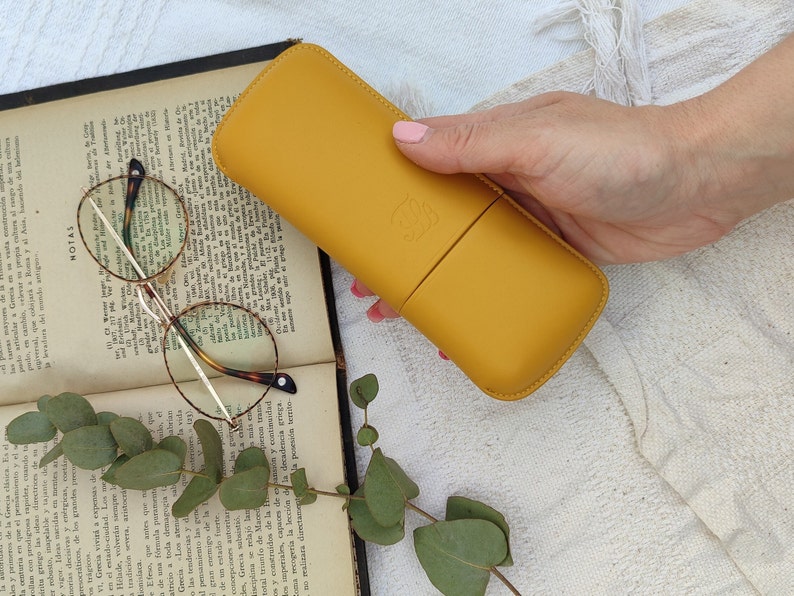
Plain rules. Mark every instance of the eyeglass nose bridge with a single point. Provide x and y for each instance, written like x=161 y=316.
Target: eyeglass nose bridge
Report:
x=165 y=316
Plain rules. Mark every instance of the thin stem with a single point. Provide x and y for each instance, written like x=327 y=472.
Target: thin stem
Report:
x=315 y=491
x=504 y=580
x=366 y=423
x=422 y=512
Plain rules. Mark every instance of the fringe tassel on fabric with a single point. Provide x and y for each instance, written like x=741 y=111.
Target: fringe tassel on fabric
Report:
x=613 y=29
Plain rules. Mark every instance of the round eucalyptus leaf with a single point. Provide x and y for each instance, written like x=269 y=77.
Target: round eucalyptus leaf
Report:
x=41 y=403
x=89 y=447
x=175 y=445
x=368 y=528
x=307 y=499
x=198 y=490
x=364 y=390
x=367 y=435
x=245 y=490
x=300 y=486
x=131 y=435
x=252 y=457
x=384 y=496
x=465 y=508
x=407 y=486
x=299 y=482
x=105 y=417
x=211 y=448
x=30 y=427
x=344 y=489
x=457 y=555
x=150 y=469
x=69 y=411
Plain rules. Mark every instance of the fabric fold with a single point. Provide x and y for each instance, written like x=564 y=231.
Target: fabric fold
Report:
x=700 y=349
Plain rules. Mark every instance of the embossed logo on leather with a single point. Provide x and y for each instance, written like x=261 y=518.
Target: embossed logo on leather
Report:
x=414 y=219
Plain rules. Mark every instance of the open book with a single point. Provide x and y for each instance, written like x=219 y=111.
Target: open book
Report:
x=69 y=326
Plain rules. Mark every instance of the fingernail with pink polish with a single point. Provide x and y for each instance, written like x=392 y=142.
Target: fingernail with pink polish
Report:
x=443 y=355
x=354 y=290
x=409 y=132
x=374 y=315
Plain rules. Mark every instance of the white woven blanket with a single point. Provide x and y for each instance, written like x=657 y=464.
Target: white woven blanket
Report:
x=700 y=348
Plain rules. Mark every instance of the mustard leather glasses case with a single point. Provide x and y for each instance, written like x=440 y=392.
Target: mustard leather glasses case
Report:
x=504 y=298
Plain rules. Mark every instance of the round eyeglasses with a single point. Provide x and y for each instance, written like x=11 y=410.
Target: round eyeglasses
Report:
x=221 y=357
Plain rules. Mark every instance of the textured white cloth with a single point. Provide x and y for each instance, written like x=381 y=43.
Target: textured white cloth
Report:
x=700 y=349
x=693 y=355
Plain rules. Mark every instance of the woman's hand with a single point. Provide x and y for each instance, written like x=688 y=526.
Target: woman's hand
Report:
x=627 y=184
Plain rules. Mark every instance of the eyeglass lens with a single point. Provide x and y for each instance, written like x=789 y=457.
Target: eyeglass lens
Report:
x=157 y=226
x=235 y=348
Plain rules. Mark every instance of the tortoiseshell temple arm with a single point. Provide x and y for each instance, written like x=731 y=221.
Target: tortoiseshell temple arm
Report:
x=135 y=172
x=281 y=381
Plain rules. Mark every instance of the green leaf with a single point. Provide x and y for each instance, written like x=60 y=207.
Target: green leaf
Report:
x=384 y=497
x=344 y=489
x=30 y=427
x=105 y=417
x=367 y=435
x=110 y=474
x=457 y=555
x=407 y=486
x=367 y=528
x=69 y=411
x=463 y=508
x=253 y=457
x=245 y=490
x=132 y=436
x=308 y=499
x=299 y=482
x=89 y=447
x=198 y=490
x=150 y=469
x=51 y=455
x=41 y=404
x=300 y=486
x=175 y=445
x=364 y=390
x=211 y=447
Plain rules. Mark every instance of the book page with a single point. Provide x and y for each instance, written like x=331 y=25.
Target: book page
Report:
x=65 y=324
x=65 y=531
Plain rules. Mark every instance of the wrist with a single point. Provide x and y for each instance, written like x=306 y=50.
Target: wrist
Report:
x=735 y=146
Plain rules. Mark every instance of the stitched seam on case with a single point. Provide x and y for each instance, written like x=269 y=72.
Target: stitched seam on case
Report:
x=585 y=330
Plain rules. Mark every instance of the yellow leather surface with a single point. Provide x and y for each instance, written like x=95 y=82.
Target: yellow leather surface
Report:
x=504 y=298
x=312 y=142
x=514 y=303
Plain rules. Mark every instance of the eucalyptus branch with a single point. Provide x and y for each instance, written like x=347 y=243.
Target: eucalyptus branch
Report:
x=459 y=553
x=322 y=493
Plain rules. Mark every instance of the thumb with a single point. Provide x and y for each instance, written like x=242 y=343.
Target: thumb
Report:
x=472 y=147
